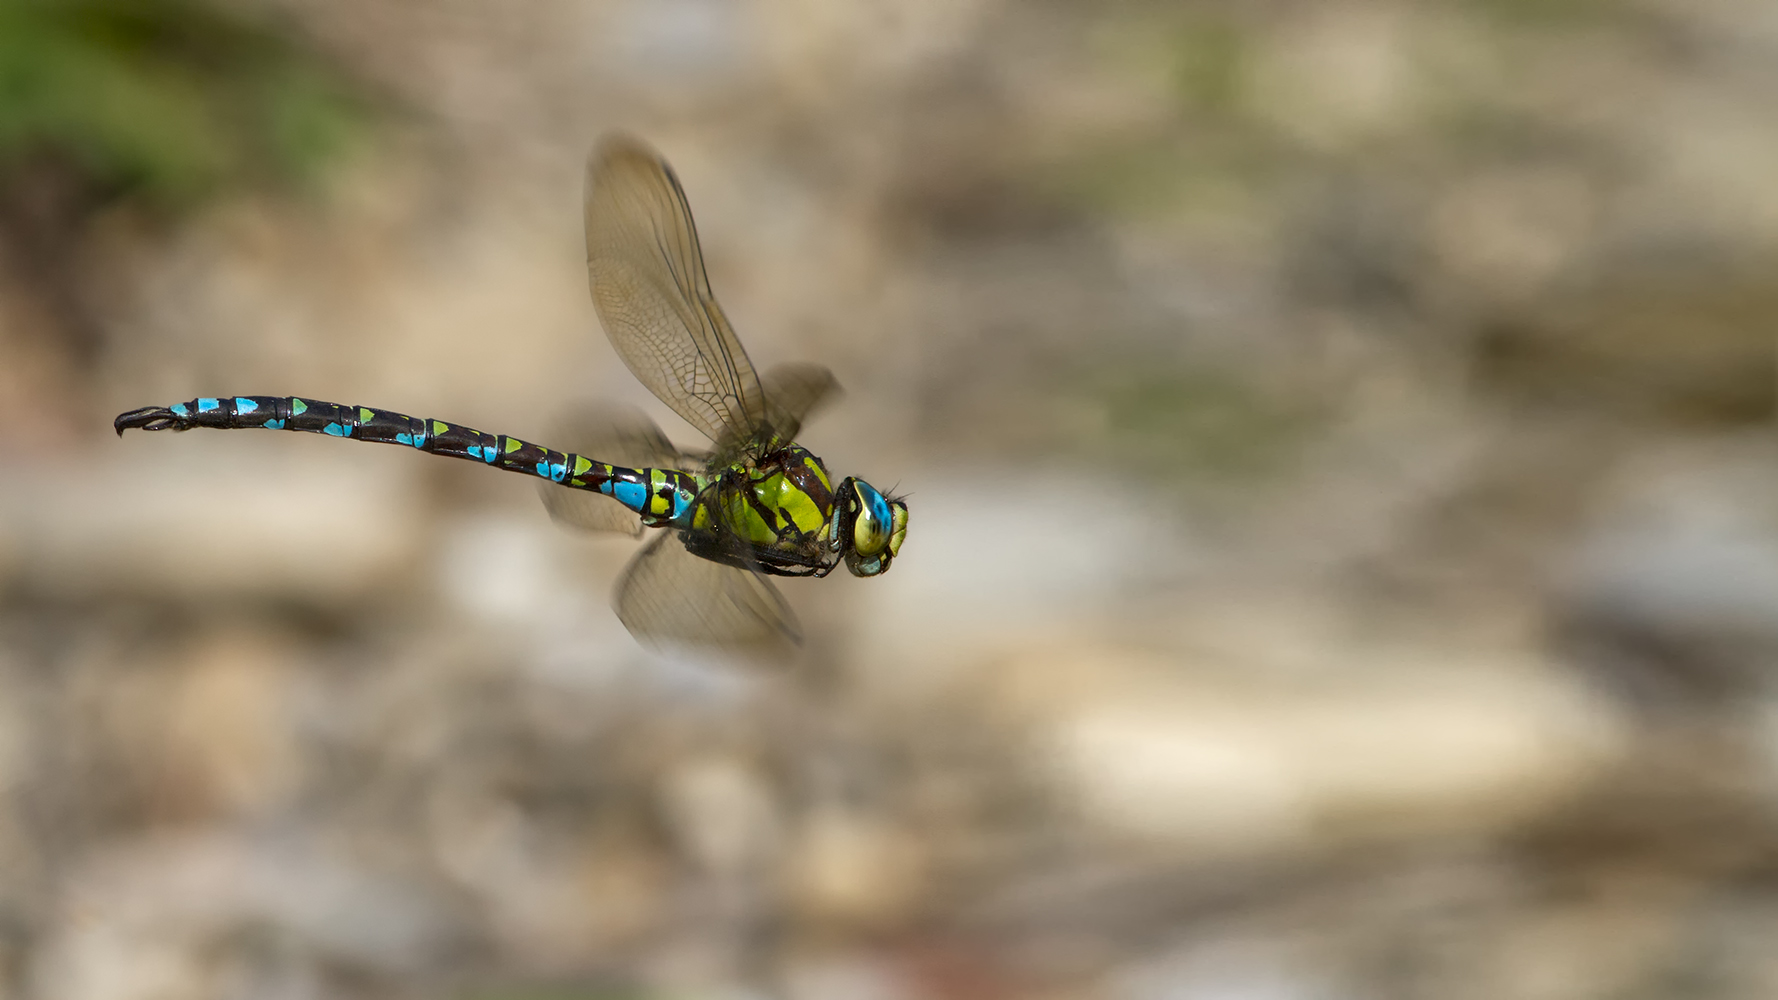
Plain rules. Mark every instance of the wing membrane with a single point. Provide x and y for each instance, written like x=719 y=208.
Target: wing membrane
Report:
x=668 y=596
x=792 y=394
x=619 y=435
x=650 y=291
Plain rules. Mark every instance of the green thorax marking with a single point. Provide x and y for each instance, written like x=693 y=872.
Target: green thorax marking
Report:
x=789 y=501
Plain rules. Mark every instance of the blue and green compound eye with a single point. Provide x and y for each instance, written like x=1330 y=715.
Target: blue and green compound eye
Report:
x=867 y=527
x=898 y=527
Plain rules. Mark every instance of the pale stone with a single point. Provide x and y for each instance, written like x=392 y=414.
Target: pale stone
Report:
x=851 y=868
x=211 y=514
x=228 y=729
x=724 y=814
x=1140 y=747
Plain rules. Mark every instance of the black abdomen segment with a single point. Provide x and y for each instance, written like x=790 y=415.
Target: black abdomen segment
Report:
x=644 y=491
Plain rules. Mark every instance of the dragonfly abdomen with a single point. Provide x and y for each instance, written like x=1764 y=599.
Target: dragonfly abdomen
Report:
x=660 y=495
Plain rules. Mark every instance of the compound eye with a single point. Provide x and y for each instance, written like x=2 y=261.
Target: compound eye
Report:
x=898 y=527
x=867 y=565
x=870 y=532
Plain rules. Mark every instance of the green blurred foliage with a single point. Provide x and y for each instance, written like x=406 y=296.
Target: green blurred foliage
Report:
x=1189 y=420
x=1210 y=56
x=1170 y=179
x=169 y=101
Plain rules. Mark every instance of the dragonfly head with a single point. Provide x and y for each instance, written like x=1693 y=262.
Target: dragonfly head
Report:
x=867 y=527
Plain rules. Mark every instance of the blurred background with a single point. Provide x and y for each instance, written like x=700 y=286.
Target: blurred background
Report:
x=1344 y=548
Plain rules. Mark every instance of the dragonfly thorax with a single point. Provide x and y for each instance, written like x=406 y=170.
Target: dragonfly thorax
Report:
x=788 y=519
x=777 y=508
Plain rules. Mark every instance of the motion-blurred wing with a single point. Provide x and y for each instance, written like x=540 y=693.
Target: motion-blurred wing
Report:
x=668 y=596
x=617 y=435
x=793 y=393
x=649 y=289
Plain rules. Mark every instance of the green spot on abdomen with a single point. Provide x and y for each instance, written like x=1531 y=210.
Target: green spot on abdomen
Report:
x=297 y=406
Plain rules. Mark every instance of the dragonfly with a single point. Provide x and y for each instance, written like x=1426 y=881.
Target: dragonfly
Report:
x=753 y=506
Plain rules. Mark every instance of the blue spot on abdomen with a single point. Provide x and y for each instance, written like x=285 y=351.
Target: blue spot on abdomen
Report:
x=337 y=430
x=631 y=495
x=276 y=425
x=244 y=405
x=206 y=404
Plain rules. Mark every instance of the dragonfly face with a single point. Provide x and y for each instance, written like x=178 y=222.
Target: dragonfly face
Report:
x=867 y=527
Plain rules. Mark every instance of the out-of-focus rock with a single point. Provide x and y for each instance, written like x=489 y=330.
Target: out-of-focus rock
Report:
x=724 y=815
x=514 y=568
x=1143 y=747
x=846 y=977
x=167 y=917
x=975 y=544
x=1670 y=595
x=1507 y=234
x=230 y=739
x=1687 y=346
x=1222 y=968
x=1339 y=75
x=851 y=869
x=555 y=899
x=206 y=516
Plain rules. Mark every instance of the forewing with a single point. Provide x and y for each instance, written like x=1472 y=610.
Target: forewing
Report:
x=650 y=291
x=616 y=435
x=668 y=597
x=793 y=393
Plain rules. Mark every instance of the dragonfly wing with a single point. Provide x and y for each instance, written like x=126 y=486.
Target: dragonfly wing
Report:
x=650 y=291
x=793 y=393
x=586 y=511
x=618 y=435
x=668 y=596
